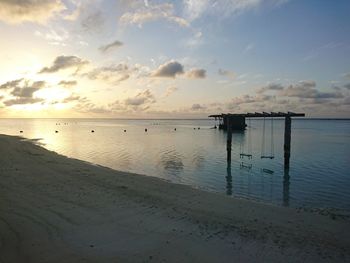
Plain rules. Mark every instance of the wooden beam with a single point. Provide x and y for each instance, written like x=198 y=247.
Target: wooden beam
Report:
x=259 y=115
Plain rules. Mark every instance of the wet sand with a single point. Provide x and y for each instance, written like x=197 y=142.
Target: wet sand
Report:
x=57 y=209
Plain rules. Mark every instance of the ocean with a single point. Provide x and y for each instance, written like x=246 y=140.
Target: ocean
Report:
x=195 y=154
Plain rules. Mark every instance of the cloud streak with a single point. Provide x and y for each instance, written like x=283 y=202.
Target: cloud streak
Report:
x=196 y=74
x=38 y=11
x=68 y=83
x=195 y=9
x=149 y=13
x=64 y=62
x=111 y=46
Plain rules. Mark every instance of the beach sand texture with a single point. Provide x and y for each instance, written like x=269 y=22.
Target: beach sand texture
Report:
x=57 y=209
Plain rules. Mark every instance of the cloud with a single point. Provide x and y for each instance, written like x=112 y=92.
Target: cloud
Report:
x=55 y=37
x=196 y=74
x=23 y=87
x=72 y=98
x=317 y=51
x=198 y=107
x=170 y=90
x=93 y=21
x=195 y=40
x=37 y=11
x=23 y=90
x=89 y=107
x=28 y=90
x=306 y=89
x=347 y=86
x=114 y=73
x=141 y=98
x=141 y=102
x=68 y=83
x=227 y=73
x=148 y=13
x=272 y=86
x=64 y=62
x=346 y=75
x=11 y=84
x=194 y=9
x=19 y=101
x=169 y=70
x=111 y=46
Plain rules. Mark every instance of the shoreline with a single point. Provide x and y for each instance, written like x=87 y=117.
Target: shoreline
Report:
x=57 y=209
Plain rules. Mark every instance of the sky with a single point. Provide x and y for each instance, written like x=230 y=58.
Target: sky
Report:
x=173 y=59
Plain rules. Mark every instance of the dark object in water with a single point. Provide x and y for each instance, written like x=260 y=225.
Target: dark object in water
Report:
x=199 y=128
x=268 y=171
x=267 y=157
x=56 y=131
x=92 y=131
x=194 y=128
x=145 y=130
x=174 y=129
x=21 y=131
x=246 y=165
x=124 y=130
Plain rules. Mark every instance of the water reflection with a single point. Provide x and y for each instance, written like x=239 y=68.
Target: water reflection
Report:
x=198 y=159
x=172 y=162
x=228 y=180
x=286 y=184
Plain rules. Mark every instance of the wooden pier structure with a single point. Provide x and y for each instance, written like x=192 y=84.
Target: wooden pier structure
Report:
x=236 y=122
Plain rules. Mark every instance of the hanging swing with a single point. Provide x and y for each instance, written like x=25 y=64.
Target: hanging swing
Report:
x=264 y=154
x=248 y=153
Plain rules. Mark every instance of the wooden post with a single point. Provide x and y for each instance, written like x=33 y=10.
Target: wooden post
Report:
x=287 y=139
x=229 y=139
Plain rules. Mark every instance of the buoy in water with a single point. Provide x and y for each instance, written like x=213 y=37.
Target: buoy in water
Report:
x=56 y=131
x=175 y=129
x=124 y=130
x=21 y=131
x=92 y=131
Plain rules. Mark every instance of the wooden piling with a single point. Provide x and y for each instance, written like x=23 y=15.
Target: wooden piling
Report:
x=229 y=140
x=287 y=139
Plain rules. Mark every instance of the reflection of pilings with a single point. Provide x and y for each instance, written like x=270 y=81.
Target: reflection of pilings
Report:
x=287 y=138
x=286 y=187
x=229 y=180
x=229 y=140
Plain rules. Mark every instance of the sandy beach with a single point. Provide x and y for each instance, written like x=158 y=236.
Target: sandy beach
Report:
x=57 y=209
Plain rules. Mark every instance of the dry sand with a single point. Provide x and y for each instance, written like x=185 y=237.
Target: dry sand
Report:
x=57 y=209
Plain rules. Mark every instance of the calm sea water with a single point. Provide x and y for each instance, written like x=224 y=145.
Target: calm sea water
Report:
x=319 y=174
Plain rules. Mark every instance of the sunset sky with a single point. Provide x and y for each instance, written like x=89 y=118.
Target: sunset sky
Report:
x=173 y=59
